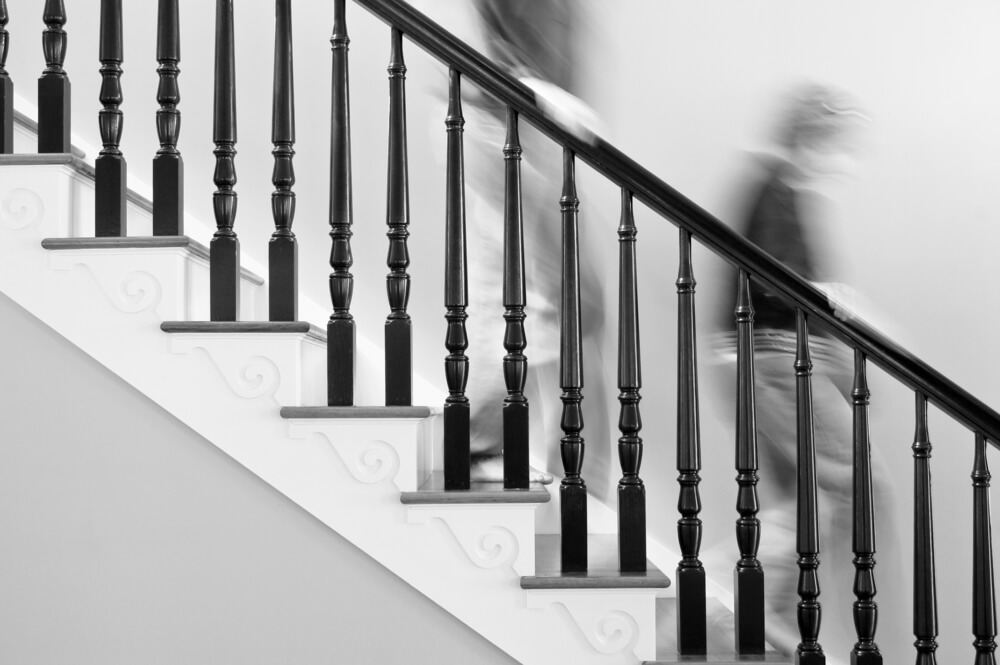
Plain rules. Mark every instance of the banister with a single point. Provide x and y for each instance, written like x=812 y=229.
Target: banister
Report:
x=707 y=229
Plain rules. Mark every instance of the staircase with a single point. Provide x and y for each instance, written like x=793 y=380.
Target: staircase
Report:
x=185 y=325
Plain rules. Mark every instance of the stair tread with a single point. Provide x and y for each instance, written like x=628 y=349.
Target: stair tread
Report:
x=355 y=412
x=433 y=492
x=721 y=636
x=244 y=327
x=602 y=570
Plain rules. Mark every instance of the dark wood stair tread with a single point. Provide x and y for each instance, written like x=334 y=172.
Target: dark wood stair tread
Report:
x=602 y=572
x=355 y=412
x=433 y=492
x=223 y=327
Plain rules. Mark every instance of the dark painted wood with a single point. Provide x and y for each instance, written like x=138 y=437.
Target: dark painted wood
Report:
x=364 y=412
x=865 y=651
x=515 y=364
x=282 y=249
x=719 y=649
x=111 y=216
x=714 y=234
x=456 y=290
x=230 y=327
x=748 y=584
x=54 y=95
x=168 y=165
x=398 y=326
x=984 y=618
x=809 y=650
x=225 y=246
x=925 y=623
x=631 y=491
x=340 y=329
x=573 y=488
x=603 y=572
x=690 y=576
x=6 y=87
x=435 y=491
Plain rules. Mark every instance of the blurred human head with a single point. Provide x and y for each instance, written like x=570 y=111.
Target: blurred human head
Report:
x=817 y=130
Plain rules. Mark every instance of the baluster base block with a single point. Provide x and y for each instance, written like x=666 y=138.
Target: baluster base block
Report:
x=53 y=113
x=398 y=362
x=110 y=213
x=168 y=195
x=868 y=658
x=515 y=445
x=457 y=459
x=810 y=658
x=224 y=278
x=691 y=611
x=632 y=528
x=748 y=595
x=340 y=362
x=283 y=279
x=573 y=517
x=6 y=116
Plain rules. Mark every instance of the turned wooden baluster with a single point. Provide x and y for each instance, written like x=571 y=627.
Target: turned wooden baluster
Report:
x=6 y=87
x=110 y=170
x=515 y=365
x=168 y=166
x=573 y=489
x=53 y=86
x=456 y=289
x=691 y=636
x=984 y=620
x=224 y=249
x=866 y=651
x=398 y=327
x=282 y=249
x=810 y=612
x=925 y=627
x=340 y=328
x=631 y=491
x=749 y=574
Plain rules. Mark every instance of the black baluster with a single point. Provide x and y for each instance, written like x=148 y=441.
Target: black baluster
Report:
x=456 y=289
x=110 y=171
x=691 y=637
x=168 y=166
x=6 y=88
x=398 y=327
x=810 y=612
x=340 y=328
x=225 y=246
x=631 y=492
x=573 y=489
x=749 y=574
x=53 y=86
x=515 y=365
x=924 y=584
x=282 y=250
x=984 y=620
x=866 y=651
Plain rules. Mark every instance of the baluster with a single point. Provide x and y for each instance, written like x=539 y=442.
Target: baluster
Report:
x=110 y=171
x=515 y=365
x=168 y=166
x=282 y=250
x=340 y=328
x=573 y=489
x=984 y=621
x=398 y=327
x=866 y=651
x=53 y=86
x=225 y=246
x=456 y=289
x=691 y=637
x=924 y=585
x=631 y=492
x=749 y=574
x=810 y=612
x=6 y=88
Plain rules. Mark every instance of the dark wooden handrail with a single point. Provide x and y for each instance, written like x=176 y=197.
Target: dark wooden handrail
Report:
x=707 y=229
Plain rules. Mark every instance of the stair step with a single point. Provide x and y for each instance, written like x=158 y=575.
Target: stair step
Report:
x=602 y=570
x=366 y=412
x=721 y=637
x=433 y=492
x=225 y=327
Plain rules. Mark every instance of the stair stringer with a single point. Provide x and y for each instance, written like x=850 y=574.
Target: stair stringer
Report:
x=74 y=292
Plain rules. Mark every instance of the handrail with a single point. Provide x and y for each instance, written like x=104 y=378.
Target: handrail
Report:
x=667 y=201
